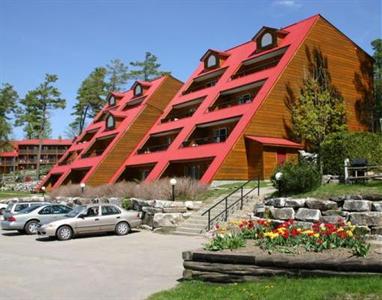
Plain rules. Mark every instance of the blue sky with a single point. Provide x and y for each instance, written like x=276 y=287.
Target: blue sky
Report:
x=70 y=38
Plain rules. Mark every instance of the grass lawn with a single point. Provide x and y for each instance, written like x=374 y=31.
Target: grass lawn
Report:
x=4 y=195
x=279 y=288
x=225 y=189
x=328 y=190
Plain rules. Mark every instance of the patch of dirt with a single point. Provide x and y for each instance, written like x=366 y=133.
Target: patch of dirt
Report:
x=251 y=248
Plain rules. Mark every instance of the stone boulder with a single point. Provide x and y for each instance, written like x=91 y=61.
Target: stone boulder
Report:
x=306 y=214
x=166 y=203
x=276 y=202
x=377 y=206
x=174 y=209
x=320 y=204
x=193 y=205
x=357 y=205
x=285 y=213
x=295 y=203
x=333 y=219
x=372 y=218
x=374 y=197
x=335 y=212
x=305 y=225
x=138 y=204
x=259 y=209
x=167 y=219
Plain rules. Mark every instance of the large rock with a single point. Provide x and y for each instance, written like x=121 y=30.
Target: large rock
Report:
x=167 y=219
x=376 y=230
x=285 y=213
x=320 y=204
x=259 y=209
x=377 y=206
x=193 y=205
x=166 y=203
x=290 y=202
x=175 y=209
x=370 y=218
x=152 y=210
x=373 y=197
x=335 y=212
x=306 y=214
x=276 y=202
x=333 y=219
x=138 y=204
x=302 y=224
x=357 y=205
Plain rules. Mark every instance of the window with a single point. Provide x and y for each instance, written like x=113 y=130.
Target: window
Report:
x=212 y=61
x=110 y=122
x=266 y=40
x=220 y=134
x=48 y=210
x=92 y=211
x=112 y=101
x=60 y=209
x=20 y=207
x=138 y=90
x=110 y=210
x=244 y=99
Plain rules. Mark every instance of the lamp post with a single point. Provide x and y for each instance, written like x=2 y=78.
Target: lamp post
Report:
x=43 y=191
x=82 y=185
x=173 y=183
x=278 y=177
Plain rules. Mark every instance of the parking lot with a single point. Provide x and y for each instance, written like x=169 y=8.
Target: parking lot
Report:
x=97 y=267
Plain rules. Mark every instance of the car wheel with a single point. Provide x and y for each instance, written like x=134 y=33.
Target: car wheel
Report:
x=122 y=228
x=64 y=233
x=31 y=227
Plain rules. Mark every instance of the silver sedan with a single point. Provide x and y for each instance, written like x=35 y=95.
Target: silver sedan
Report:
x=92 y=219
x=28 y=219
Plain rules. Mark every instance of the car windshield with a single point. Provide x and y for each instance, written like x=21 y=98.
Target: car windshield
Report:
x=28 y=209
x=75 y=211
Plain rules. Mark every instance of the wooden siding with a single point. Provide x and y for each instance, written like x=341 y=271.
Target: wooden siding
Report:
x=350 y=70
x=128 y=141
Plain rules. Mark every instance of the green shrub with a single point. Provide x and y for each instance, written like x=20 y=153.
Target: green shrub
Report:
x=297 y=177
x=127 y=204
x=339 y=146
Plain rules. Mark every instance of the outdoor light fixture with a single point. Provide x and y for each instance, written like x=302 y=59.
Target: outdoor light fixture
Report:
x=278 y=177
x=173 y=183
x=82 y=185
x=43 y=191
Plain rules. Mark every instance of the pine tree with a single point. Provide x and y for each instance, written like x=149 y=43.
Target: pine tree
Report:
x=147 y=69
x=91 y=97
x=118 y=75
x=34 y=113
x=377 y=55
x=8 y=103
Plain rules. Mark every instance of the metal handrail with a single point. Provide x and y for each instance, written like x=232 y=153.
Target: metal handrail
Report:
x=227 y=207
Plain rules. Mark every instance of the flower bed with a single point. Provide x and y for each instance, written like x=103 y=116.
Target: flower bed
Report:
x=287 y=237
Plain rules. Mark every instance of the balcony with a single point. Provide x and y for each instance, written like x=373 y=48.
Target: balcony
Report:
x=70 y=157
x=182 y=110
x=237 y=96
x=194 y=169
x=158 y=142
x=76 y=176
x=87 y=136
x=260 y=63
x=136 y=173
x=204 y=81
x=98 y=147
x=211 y=133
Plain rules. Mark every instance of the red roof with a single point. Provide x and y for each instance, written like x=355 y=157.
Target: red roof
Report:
x=272 y=141
x=44 y=142
x=8 y=154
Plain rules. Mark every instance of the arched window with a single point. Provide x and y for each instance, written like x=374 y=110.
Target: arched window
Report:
x=266 y=40
x=110 y=122
x=212 y=61
x=112 y=101
x=138 y=90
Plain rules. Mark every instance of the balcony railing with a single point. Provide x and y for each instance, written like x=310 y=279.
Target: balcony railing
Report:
x=177 y=116
x=7 y=163
x=65 y=162
x=256 y=67
x=227 y=103
x=156 y=148
x=93 y=153
x=194 y=142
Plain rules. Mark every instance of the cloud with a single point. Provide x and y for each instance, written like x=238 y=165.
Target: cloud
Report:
x=287 y=3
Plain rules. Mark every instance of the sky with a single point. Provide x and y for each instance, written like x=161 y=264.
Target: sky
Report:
x=72 y=37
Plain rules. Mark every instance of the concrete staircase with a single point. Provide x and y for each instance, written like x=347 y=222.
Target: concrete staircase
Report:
x=197 y=224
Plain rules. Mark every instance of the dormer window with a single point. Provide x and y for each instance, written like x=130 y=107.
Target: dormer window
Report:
x=211 y=62
x=112 y=101
x=138 y=90
x=266 y=40
x=110 y=122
